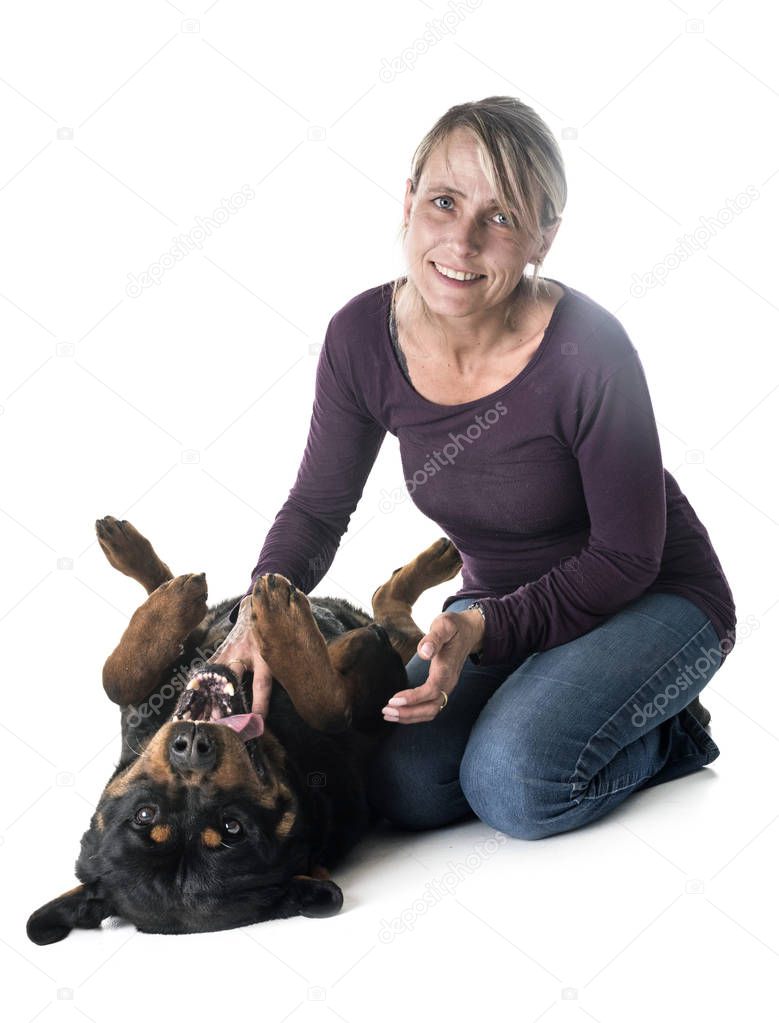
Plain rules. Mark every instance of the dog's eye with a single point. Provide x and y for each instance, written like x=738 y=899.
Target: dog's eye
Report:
x=232 y=827
x=145 y=814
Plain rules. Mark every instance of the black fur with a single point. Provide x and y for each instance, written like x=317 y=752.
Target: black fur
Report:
x=181 y=886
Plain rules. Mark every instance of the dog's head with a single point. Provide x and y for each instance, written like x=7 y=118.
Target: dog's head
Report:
x=202 y=832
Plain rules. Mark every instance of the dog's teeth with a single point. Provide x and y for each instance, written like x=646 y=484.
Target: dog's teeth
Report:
x=229 y=688
x=194 y=684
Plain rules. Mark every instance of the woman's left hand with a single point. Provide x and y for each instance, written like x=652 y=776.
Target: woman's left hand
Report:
x=452 y=636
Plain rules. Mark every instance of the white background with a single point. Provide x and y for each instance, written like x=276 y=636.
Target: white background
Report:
x=185 y=409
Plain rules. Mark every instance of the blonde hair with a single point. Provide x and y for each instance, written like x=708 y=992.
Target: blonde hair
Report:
x=521 y=160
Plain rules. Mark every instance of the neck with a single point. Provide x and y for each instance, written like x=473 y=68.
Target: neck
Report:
x=459 y=338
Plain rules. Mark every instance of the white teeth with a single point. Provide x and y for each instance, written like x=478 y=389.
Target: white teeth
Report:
x=456 y=275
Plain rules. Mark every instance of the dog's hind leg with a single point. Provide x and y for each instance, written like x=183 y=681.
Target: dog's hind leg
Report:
x=129 y=552
x=393 y=600
x=331 y=686
x=154 y=638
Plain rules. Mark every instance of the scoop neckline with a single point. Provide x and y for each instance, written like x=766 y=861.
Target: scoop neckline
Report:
x=501 y=390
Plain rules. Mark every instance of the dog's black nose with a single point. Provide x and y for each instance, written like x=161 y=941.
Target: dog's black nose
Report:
x=192 y=750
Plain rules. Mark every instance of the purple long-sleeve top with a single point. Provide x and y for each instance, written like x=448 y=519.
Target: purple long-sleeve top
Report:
x=552 y=488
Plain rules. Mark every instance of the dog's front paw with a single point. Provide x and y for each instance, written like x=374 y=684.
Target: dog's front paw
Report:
x=182 y=602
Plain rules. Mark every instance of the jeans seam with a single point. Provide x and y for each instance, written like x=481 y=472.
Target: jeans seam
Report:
x=619 y=710
x=646 y=777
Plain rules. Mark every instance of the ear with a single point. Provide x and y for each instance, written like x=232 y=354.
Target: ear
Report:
x=82 y=906
x=408 y=199
x=548 y=234
x=310 y=896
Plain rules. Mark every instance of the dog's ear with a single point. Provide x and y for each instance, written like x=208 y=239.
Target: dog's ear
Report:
x=82 y=906
x=310 y=896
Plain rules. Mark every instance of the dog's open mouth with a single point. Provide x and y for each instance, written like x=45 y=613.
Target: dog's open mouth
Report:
x=209 y=697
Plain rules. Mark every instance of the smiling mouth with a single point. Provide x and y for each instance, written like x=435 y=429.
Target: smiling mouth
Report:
x=458 y=276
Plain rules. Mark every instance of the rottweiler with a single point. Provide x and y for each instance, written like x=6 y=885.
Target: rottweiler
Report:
x=203 y=827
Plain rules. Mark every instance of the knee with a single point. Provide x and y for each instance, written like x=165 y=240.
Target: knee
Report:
x=509 y=795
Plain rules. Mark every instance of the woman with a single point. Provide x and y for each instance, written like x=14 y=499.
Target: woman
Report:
x=527 y=433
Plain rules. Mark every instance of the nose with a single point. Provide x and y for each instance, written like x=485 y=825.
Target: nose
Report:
x=464 y=236
x=192 y=749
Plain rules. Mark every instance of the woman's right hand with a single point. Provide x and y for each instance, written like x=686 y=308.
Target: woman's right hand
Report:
x=240 y=652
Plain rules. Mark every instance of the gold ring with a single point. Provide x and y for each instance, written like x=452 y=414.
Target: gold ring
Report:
x=237 y=660
x=445 y=701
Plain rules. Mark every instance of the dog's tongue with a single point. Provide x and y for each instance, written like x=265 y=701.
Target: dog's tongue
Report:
x=248 y=726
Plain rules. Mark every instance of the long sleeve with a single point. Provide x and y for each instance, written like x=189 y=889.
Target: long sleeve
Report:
x=343 y=444
x=617 y=448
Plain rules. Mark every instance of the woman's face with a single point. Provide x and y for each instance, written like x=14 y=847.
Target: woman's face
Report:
x=467 y=231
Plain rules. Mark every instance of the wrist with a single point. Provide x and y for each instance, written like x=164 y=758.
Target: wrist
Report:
x=474 y=614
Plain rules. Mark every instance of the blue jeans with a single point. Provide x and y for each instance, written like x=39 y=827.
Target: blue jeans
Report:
x=564 y=737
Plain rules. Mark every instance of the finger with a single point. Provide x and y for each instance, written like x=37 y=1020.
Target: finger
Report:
x=427 y=647
x=442 y=629
x=442 y=675
x=443 y=670
x=414 y=715
x=429 y=690
x=237 y=667
x=262 y=685
x=216 y=656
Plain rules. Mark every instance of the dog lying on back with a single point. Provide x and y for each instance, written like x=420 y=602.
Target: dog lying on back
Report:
x=214 y=818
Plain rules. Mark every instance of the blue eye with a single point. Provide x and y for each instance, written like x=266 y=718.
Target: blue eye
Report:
x=506 y=222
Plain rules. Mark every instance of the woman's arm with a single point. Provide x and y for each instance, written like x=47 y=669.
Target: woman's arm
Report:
x=342 y=446
x=618 y=451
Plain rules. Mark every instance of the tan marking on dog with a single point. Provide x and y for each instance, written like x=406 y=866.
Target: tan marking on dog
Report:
x=286 y=823
x=392 y=602
x=160 y=833
x=275 y=791
x=99 y=821
x=210 y=837
x=235 y=769
x=73 y=891
x=118 y=786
